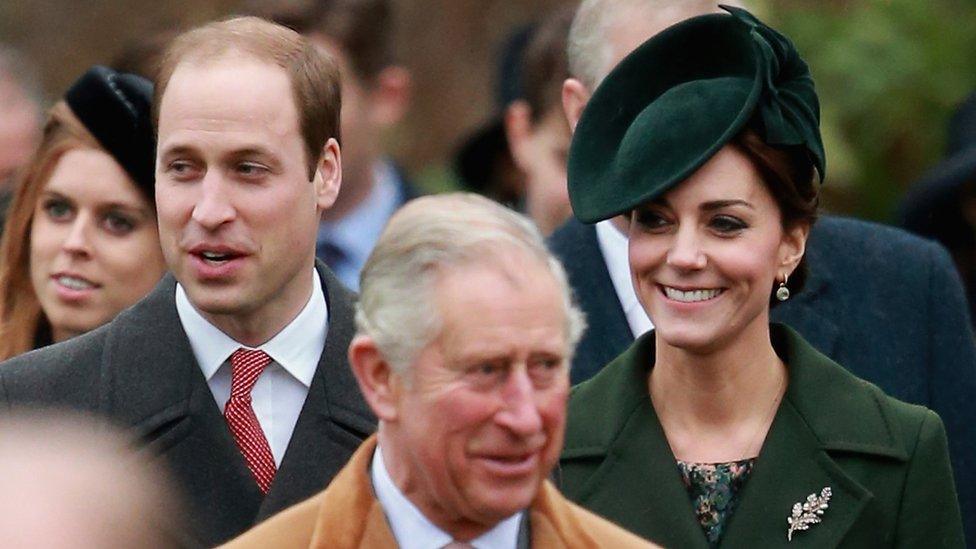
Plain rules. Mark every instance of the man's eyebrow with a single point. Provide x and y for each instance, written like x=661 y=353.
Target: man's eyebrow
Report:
x=250 y=151
x=177 y=150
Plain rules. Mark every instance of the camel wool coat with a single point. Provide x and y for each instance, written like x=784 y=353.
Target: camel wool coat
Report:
x=347 y=515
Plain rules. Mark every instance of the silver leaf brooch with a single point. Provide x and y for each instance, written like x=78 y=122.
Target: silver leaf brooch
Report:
x=808 y=513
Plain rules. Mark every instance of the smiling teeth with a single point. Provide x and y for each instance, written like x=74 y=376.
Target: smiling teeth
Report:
x=73 y=283
x=691 y=296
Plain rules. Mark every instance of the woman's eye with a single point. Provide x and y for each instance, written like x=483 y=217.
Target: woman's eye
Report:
x=727 y=224
x=119 y=224
x=650 y=220
x=58 y=210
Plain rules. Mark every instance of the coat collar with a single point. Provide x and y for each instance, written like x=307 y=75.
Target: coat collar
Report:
x=813 y=420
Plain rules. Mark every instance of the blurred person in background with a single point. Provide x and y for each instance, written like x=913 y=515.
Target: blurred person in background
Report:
x=483 y=161
x=375 y=96
x=20 y=119
x=942 y=204
x=530 y=133
x=70 y=482
x=81 y=242
x=535 y=125
x=884 y=303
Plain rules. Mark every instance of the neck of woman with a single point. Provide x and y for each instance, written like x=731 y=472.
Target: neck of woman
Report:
x=716 y=405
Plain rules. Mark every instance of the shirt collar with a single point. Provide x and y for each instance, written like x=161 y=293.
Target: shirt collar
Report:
x=613 y=244
x=413 y=530
x=296 y=348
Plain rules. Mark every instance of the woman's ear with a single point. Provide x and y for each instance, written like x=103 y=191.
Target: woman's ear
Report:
x=793 y=246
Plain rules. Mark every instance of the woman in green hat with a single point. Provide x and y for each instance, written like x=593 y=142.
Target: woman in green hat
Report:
x=718 y=428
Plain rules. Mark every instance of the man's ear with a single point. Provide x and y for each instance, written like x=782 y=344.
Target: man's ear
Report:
x=390 y=94
x=378 y=382
x=575 y=97
x=328 y=175
x=518 y=128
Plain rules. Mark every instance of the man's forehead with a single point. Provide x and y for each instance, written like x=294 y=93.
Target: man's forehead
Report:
x=227 y=92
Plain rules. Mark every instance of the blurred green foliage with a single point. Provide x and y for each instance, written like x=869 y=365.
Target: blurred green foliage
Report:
x=889 y=74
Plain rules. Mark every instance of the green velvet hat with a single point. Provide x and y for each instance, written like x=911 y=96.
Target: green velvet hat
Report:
x=671 y=104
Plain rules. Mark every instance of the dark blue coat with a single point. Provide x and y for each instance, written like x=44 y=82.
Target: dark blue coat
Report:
x=885 y=304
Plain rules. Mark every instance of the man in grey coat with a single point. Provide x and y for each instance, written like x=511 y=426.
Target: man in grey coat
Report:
x=233 y=370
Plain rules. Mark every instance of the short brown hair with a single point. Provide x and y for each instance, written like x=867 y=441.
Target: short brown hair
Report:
x=363 y=29
x=23 y=325
x=788 y=174
x=313 y=73
x=545 y=65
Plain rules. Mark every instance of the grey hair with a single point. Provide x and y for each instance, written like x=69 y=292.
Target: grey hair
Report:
x=588 y=44
x=397 y=307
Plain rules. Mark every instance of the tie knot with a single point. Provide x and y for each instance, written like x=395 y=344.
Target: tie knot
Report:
x=246 y=366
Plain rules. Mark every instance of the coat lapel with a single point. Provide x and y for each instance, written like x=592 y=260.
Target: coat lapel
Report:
x=797 y=458
x=152 y=383
x=627 y=440
x=334 y=419
x=792 y=466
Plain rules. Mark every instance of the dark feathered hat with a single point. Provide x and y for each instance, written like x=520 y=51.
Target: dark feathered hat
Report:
x=670 y=105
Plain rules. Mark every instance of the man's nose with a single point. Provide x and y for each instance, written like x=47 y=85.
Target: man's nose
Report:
x=520 y=413
x=214 y=205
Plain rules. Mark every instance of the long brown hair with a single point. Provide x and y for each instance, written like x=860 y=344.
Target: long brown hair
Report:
x=22 y=323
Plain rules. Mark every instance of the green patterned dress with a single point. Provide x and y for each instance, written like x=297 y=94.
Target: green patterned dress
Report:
x=714 y=490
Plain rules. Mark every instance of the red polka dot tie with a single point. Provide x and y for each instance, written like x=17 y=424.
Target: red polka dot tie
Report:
x=247 y=366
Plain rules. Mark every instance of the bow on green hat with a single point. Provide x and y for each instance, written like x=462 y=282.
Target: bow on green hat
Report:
x=669 y=106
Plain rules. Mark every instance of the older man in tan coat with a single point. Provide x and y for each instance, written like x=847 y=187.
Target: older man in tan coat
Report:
x=466 y=329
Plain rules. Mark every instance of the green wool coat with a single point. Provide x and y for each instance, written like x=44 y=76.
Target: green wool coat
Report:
x=885 y=461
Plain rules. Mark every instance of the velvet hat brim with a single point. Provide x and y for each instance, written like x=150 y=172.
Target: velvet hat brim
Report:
x=115 y=108
x=670 y=105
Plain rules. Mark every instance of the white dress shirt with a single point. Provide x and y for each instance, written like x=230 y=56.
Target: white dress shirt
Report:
x=412 y=530
x=613 y=246
x=279 y=394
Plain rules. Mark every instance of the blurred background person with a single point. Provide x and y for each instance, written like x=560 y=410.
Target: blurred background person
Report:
x=519 y=158
x=81 y=242
x=375 y=97
x=942 y=204
x=20 y=119
x=72 y=483
x=720 y=428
